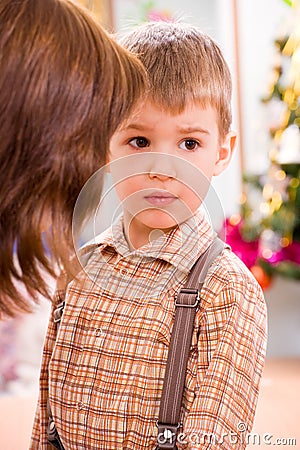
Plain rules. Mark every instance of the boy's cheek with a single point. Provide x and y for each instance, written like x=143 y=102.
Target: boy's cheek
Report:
x=192 y=200
x=129 y=186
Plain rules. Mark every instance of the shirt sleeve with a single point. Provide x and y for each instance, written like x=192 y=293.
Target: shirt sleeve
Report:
x=231 y=353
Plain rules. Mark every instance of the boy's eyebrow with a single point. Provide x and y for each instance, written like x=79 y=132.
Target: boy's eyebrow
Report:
x=190 y=129
x=182 y=130
x=135 y=126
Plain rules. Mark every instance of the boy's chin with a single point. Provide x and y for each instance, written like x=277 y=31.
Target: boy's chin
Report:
x=159 y=220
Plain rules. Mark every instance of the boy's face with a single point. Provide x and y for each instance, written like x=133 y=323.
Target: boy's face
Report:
x=170 y=162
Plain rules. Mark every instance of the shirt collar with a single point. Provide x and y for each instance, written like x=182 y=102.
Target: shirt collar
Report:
x=181 y=247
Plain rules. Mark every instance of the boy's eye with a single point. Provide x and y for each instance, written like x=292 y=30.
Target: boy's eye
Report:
x=189 y=144
x=139 y=142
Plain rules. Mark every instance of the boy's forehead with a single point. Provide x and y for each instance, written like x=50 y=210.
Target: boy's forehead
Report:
x=148 y=113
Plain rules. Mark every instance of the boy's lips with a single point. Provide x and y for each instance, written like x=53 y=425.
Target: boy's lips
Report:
x=160 y=198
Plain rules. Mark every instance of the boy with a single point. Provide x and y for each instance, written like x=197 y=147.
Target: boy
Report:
x=107 y=368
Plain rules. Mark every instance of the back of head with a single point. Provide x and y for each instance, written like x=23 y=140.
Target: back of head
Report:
x=184 y=65
x=65 y=85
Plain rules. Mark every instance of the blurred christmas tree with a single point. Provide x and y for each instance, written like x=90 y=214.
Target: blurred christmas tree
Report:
x=266 y=234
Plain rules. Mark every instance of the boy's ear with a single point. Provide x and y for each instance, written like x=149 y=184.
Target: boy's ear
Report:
x=225 y=152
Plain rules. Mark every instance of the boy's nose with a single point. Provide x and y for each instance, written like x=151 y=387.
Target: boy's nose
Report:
x=160 y=176
x=162 y=167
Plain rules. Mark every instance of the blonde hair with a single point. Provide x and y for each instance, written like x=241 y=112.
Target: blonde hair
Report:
x=65 y=85
x=184 y=64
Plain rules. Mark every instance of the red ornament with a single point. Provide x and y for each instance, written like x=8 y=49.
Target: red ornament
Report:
x=261 y=276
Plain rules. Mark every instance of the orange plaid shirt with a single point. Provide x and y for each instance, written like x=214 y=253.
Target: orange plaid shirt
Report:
x=104 y=370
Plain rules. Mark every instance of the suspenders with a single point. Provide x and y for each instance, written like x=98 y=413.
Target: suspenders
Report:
x=186 y=303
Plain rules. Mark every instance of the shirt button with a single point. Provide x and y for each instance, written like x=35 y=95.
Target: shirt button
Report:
x=80 y=406
x=123 y=272
x=98 y=332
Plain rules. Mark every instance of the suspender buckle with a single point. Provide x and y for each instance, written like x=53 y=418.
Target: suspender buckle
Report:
x=183 y=302
x=58 y=312
x=167 y=435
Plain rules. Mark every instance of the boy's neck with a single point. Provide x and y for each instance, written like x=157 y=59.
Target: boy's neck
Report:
x=142 y=234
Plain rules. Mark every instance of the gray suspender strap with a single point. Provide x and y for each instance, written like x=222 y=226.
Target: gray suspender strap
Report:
x=186 y=304
x=52 y=433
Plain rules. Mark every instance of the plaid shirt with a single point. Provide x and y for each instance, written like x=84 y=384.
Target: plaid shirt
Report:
x=104 y=374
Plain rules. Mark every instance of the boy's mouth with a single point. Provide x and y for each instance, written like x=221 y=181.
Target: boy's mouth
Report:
x=160 y=198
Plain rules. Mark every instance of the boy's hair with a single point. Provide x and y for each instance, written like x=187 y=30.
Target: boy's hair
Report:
x=65 y=85
x=184 y=65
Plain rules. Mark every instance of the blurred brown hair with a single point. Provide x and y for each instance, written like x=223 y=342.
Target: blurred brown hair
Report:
x=184 y=64
x=64 y=87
